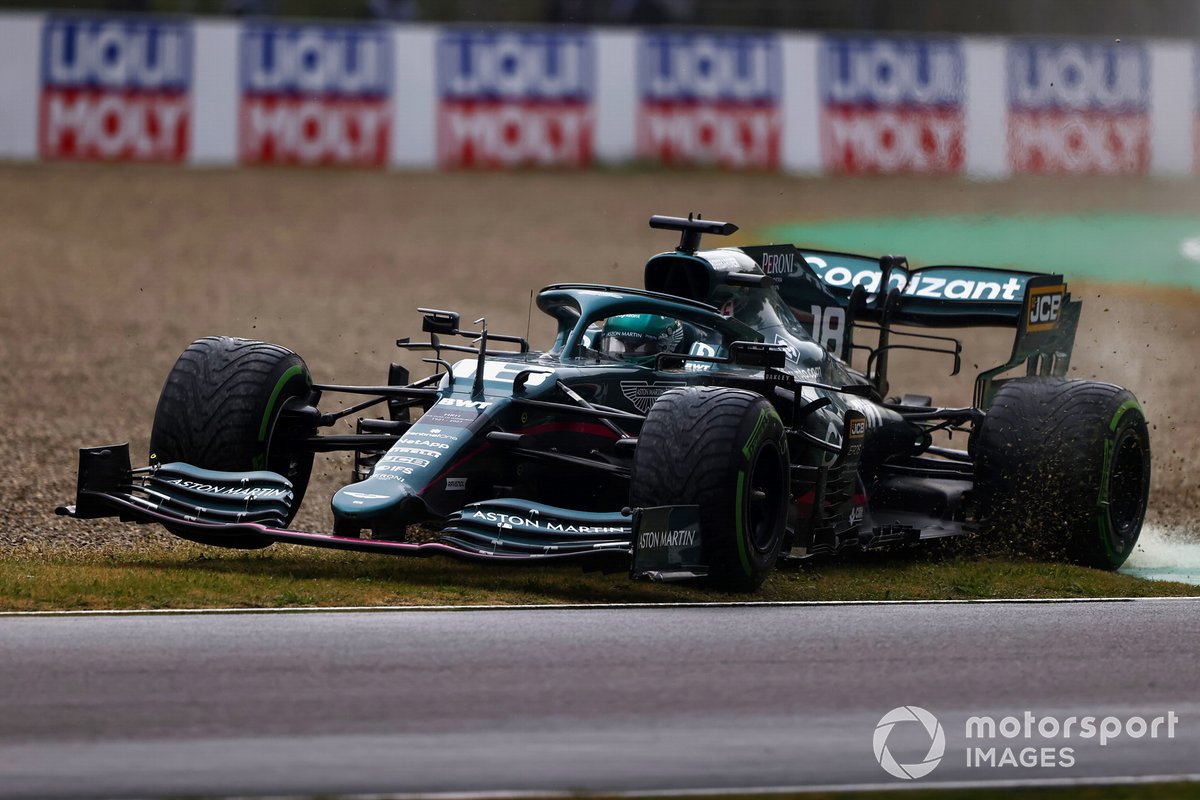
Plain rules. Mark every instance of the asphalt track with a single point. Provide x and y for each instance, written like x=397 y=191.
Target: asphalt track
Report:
x=591 y=700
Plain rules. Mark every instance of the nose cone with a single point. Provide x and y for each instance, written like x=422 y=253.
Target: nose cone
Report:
x=376 y=497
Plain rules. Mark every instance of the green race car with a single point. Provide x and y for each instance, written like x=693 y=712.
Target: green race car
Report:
x=703 y=427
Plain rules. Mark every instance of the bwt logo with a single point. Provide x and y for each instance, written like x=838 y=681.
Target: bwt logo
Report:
x=709 y=99
x=1078 y=107
x=114 y=89
x=891 y=105
x=315 y=95
x=515 y=99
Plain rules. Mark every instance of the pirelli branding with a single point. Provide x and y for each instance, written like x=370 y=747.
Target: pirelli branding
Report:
x=1043 y=307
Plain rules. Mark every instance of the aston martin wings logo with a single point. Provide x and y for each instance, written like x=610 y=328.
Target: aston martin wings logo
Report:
x=643 y=393
x=367 y=496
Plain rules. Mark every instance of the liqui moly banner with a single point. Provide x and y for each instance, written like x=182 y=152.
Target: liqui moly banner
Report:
x=1078 y=106
x=509 y=98
x=315 y=95
x=891 y=105
x=114 y=89
x=709 y=99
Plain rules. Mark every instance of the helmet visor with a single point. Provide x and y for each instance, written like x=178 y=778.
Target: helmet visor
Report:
x=628 y=345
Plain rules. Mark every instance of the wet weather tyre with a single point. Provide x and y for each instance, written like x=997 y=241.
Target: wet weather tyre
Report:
x=1063 y=469
x=725 y=451
x=220 y=408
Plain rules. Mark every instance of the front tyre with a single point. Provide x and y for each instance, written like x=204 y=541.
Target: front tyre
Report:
x=220 y=407
x=725 y=451
x=1064 y=466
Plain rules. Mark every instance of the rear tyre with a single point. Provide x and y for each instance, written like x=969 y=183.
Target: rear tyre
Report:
x=1063 y=467
x=220 y=407
x=725 y=451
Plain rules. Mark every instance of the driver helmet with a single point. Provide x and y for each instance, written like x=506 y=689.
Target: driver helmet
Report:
x=638 y=338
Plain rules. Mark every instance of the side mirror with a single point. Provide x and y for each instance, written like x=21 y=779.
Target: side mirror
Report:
x=858 y=390
x=757 y=354
x=749 y=279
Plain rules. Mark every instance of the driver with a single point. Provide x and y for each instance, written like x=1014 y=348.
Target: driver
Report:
x=638 y=338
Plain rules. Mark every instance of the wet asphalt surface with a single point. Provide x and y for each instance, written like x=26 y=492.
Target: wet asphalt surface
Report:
x=593 y=700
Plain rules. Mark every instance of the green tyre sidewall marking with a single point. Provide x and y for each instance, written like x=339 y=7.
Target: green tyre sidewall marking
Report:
x=755 y=434
x=741 y=524
x=749 y=453
x=1102 y=517
x=269 y=412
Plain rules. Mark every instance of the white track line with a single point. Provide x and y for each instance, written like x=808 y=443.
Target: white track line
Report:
x=592 y=606
x=1017 y=783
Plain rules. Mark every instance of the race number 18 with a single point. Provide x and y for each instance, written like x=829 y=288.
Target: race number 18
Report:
x=829 y=328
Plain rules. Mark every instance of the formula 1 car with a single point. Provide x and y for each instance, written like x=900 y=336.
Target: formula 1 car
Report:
x=706 y=426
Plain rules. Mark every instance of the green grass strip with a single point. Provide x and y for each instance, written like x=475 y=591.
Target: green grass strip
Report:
x=185 y=575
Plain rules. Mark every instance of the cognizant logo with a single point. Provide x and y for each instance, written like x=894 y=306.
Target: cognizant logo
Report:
x=909 y=714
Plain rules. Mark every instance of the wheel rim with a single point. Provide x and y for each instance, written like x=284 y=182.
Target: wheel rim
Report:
x=767 y=490
x=282 y=454
x=1127 y=490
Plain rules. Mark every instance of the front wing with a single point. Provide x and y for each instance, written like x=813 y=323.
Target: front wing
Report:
x=237 y=509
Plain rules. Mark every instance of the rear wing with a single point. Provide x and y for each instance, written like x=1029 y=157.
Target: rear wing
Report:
x=885 y=291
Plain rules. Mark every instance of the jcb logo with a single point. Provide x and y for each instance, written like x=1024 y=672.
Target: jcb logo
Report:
x=858 y=428
x=1044 y=307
